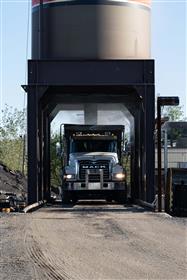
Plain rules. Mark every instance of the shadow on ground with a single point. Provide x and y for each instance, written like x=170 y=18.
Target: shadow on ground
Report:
x=95 y=206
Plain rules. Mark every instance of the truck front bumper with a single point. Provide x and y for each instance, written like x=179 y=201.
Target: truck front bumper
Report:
x=96 y=194
x=94 y=186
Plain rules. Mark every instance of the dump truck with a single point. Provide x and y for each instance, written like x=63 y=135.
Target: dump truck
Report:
x=92 y=162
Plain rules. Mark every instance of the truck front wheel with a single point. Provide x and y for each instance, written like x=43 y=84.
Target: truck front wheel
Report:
x=65 y=197
x=121 y=197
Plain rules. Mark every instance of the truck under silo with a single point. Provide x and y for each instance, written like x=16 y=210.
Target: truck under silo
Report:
x=92 y=162
x=90 y=52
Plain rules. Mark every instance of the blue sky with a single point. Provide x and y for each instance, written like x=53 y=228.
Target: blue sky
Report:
x=168 y=49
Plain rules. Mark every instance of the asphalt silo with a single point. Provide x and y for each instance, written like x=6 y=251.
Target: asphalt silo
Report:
x=90 y=52
x=91 y=29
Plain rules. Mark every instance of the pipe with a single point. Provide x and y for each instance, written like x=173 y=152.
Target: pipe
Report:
x=34 y=206
x=145 y=204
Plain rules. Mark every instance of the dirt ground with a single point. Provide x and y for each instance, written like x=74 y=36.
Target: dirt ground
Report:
x=92 y=241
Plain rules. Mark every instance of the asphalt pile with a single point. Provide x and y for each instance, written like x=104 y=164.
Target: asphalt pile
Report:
x=12 y=181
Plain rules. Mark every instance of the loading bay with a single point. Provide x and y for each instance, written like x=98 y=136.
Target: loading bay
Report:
x=92 y=240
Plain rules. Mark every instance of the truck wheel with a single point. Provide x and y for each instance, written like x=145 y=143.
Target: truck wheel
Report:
x=121 y=197
x=74 y=199
x=65 y=197
x=109 y=199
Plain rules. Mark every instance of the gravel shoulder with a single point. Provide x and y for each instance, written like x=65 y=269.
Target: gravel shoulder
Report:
x=90 y=242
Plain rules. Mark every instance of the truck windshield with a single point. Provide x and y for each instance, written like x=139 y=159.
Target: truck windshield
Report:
x=88 y=146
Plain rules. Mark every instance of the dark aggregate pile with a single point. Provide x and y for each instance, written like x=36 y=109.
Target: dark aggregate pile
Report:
x=12 y=182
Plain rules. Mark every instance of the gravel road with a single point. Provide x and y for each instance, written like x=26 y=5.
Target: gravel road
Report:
x=92 y=241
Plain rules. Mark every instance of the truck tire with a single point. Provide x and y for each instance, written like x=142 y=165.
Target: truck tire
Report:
x=65 y=197
x=74 y=199
x=109 y=199
x=121 y=197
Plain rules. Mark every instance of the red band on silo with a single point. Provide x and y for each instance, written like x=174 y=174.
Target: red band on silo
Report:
x=139 y=2
x=145 y=2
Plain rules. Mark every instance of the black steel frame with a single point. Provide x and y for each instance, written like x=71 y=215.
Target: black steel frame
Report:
x=104 y=81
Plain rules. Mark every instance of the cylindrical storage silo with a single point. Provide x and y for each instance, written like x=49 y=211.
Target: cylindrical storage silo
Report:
x=91 y=29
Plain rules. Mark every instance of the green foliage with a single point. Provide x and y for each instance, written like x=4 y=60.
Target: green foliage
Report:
x=11 y=153
x=173 y=135
x=175 y=113
x=12 y=128
x=56 y=165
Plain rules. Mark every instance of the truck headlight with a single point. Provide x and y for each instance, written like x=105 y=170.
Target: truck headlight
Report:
x=119 y=176
x=69 y=176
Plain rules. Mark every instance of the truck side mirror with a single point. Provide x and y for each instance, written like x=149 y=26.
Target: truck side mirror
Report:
x=58 y=149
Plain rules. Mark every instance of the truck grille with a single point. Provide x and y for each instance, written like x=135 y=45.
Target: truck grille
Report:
x=94 y=167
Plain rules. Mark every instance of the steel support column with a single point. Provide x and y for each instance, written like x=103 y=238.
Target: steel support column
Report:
x=32 y=126
x=150 y=142
x=46 y=155
x=40 y=152
x=35 y=143
x=121 y=81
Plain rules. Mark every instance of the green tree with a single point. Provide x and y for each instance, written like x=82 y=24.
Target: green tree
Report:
x=12 y=129
x=175 y=113
x=56 y=165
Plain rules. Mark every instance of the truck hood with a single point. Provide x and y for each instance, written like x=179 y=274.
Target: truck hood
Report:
x=94 y=156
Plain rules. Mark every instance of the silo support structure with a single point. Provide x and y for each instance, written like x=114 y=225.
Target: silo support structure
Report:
x=129 y=82
x=37 y=130
x=32 y=126
x=149 y=142
x=46 y=156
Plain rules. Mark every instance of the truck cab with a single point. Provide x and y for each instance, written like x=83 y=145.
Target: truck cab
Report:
x=92 y=162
